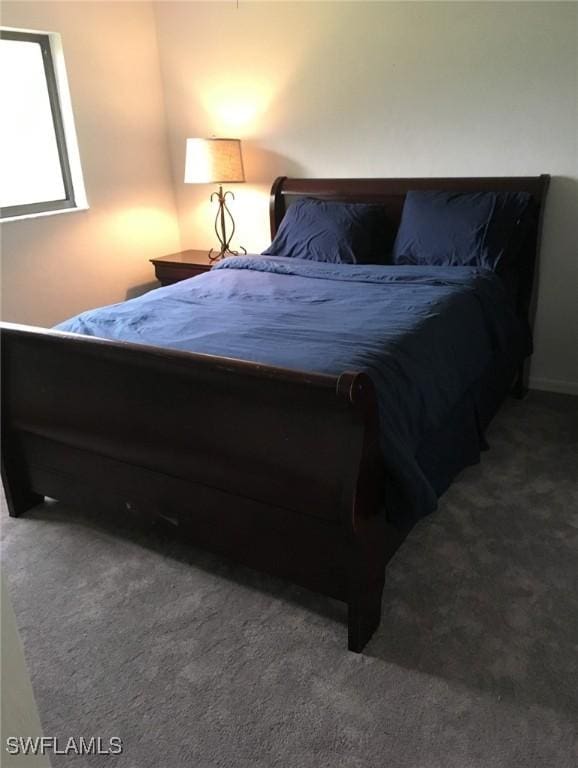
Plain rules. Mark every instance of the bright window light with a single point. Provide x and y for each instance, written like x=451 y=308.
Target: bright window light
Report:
x=35 y=168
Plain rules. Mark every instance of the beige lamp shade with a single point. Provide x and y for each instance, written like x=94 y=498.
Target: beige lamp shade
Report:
x=213 y=161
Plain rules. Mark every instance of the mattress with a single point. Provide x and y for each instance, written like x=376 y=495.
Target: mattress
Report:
x=427 y=337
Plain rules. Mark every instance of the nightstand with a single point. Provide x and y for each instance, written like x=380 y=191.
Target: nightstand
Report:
x=180 y=266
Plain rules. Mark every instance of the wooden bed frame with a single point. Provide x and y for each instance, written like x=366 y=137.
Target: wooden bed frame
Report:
x=278 y=469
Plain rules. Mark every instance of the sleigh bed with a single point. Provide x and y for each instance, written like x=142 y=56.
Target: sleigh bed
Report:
x=286 y=470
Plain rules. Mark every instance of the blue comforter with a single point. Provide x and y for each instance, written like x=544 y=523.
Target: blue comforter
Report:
x=423 y=334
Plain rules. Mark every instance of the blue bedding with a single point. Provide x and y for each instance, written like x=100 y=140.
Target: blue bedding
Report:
x=425 y=335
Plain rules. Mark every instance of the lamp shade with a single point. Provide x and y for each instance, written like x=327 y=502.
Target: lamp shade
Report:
x=213 y=160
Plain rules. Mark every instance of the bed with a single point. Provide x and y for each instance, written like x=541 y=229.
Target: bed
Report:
x=277 y=419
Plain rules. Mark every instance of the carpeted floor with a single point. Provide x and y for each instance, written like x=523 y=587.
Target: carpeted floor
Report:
x=195 y=662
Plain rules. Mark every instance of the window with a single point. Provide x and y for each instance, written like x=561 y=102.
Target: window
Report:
x=39 y=165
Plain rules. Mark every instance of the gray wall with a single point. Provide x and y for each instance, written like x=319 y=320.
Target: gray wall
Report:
x=386 y=89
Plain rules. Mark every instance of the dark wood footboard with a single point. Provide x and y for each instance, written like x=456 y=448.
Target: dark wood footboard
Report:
x=275 y=468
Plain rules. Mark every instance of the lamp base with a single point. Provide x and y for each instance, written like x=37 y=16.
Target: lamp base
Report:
x=215 y=255
x=222 y=236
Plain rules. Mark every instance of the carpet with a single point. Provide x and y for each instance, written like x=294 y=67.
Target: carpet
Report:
x=193 y=661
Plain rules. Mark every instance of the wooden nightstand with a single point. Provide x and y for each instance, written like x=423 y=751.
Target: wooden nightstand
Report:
x=180 y=266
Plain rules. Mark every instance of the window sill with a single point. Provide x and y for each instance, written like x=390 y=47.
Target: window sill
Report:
x=40 y=214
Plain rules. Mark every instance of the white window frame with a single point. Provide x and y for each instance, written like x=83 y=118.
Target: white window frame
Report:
x=64 y=129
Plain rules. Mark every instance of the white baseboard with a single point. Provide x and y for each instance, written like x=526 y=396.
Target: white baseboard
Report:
x=554 y=385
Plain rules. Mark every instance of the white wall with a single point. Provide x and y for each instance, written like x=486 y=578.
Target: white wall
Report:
x=386 y=89
x=56 y=266
x=313 y=89
x=19 y=713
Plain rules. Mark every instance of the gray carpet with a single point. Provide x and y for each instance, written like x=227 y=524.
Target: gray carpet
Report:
x=195 y=662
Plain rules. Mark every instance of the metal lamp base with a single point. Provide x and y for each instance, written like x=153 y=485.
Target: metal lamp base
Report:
x=220 y=223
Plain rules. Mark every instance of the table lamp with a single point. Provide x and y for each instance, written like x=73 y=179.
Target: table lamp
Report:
x=216 y=161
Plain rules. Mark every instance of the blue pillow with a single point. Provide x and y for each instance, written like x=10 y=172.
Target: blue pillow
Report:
x=478 y=229
x=340 y=233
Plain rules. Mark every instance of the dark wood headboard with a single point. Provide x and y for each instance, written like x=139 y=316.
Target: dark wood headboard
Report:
x=391 y=194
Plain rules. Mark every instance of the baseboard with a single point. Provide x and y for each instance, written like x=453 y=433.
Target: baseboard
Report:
x=554 y=385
